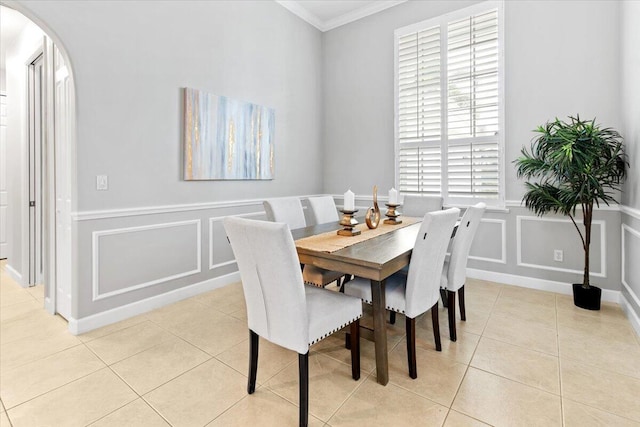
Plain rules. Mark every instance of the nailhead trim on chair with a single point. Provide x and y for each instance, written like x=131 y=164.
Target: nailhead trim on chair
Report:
x=316 y=284
x=335 y=330
x=388 y=307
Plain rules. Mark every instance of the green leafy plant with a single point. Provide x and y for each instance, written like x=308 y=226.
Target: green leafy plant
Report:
x=573 y=164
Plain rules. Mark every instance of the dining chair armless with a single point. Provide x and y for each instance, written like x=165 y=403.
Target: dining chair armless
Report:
x=289 y=210
x=417 y=291
x=280 y=307
x=454 y=271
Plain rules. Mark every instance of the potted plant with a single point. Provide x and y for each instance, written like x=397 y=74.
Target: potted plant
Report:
x=574 y=164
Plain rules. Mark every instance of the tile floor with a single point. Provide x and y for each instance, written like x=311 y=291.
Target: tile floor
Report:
x=523 y=357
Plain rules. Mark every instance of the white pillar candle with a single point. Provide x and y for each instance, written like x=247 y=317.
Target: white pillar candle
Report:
x=349 y=201
x=393 y=196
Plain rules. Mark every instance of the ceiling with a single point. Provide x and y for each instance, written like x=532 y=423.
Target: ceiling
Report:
x=11 y=24
x=328 y=14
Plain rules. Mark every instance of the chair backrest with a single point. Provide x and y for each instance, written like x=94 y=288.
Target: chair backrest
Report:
x=427 y=260
x=323 y=209
x=287 y=210
x=272 y=281
x=415 y=205
x=457 y=273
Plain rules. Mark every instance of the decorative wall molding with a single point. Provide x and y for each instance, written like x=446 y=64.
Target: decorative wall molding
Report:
x=155 y=210
x=96 y=235
x=535 y=283
x=602 y=207
x=89 y=323
x=631 y=314
x=503 y=248
x=218 y=219
x=630 y=211
x=603 y=252
x=623 y=256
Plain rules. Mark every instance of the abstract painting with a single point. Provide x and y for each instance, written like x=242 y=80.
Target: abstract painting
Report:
x=226 y=139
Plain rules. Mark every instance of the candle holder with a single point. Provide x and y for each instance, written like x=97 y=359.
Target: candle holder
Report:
x=392 y=215
x=349 y=223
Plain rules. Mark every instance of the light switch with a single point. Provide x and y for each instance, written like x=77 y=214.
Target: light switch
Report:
x=102 y=182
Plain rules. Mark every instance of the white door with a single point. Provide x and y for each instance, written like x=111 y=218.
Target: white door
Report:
x=3 y=176
x=63 y=115
x=36 y=104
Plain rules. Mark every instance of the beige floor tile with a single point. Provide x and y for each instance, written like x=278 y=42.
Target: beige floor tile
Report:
x=19 y=310
x=228 y=299
x=114 y=327
x=33 y=379
x=200 y=395
x=271 y=359
x=75 y=404
x=540 y=298
x=519 y=332
x=501 y=402
x=333 y=346
x=215 y=334
x=37 y=323
x=438 y=377
x=36 y=291
x=610 y=310
x=126 y=342
x=390 y=405
x=578 y=415
x=157 y=365
x=475 y=324
x=485 y=286
x=609 y=353
x=265 y=409
x=456 y=419
x=606 y=327
x=461 y=350
x=4 y=420
x=532 y=312
x=605 y=390
x=11 y=293
x=34 y=347
x=529 y=367
x=330 y=384
x=179 y=312
x=135 y=414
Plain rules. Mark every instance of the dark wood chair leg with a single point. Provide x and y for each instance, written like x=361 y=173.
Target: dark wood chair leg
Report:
x=443 y=295
x=411 y=347
x=452 y=315
x=463 y=313
x=253 y=361
x=435 y=321
x=303 y=366
x=392 y=317
x=355 y=349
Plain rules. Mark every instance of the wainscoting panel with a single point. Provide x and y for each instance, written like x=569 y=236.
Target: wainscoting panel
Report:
x=631 y=262
x=220 y=252
x=537 y=238
x=490 y=241
x=126 y=259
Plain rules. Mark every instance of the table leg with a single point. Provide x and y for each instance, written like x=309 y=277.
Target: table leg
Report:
x=380 y=330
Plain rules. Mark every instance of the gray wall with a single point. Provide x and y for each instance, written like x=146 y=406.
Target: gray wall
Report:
x=130 y=61
x=549 y=72
x=630 y=96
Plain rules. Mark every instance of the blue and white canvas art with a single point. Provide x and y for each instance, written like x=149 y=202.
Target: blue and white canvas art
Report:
x=226 y=139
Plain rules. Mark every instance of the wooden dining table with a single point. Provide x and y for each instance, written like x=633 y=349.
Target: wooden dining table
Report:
x=374 y=259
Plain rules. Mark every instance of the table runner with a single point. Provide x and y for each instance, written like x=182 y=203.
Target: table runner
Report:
x=331 y=241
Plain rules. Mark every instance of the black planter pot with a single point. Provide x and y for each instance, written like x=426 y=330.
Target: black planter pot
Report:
x=587 y=298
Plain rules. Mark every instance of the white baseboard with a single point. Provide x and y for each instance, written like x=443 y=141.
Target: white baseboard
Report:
x=534 y=283
x=89 y=323
x=13 y=273
x=631 y=314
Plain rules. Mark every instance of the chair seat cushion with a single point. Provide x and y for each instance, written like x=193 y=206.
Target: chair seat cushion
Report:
x=329 y=311
x=317 y=276
x=394 y=291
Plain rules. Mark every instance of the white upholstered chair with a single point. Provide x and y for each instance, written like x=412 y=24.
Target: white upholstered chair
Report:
x=418 y=291
x=323 y=209
x=289 y=210
x=454 y=272
x=280 y=307
x=418 y=205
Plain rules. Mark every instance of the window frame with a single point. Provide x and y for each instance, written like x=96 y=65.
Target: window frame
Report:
x=442 y=21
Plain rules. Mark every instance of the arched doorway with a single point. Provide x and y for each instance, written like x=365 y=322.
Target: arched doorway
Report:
x=40 y=144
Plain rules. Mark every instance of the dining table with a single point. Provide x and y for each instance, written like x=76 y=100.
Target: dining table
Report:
x=375 y=258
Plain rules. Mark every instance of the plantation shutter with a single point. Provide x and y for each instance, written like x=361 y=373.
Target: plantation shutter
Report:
x=448 y=108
